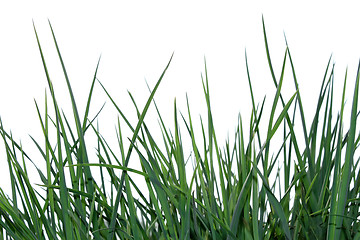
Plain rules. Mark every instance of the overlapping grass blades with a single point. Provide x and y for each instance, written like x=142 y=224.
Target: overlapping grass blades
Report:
x=229 y=192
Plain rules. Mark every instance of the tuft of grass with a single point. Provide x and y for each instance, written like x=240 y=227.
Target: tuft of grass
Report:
x=230 y=192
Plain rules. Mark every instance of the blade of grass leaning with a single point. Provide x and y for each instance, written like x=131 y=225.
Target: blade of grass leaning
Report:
x=213 y=140
x=346 y=170
x=293 y=135
x=202 y=183
x=331 y=228
x=45 y=127
x=272 y=198
x=63 y=189
x=82 y=147
x=212 y=184
x=255 y=195
x=311 y=161
x=136 y=131
x=275 y=102
x=184 y=207
x=89 y=97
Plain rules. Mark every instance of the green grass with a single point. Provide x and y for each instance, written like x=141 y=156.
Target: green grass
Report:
x=230 y=192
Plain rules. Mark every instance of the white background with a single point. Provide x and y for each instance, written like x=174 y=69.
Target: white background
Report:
x=135 y=41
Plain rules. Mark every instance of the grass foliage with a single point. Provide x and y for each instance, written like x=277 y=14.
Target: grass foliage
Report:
x=228 y=194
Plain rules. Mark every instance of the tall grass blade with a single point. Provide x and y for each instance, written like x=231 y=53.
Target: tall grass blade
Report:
x=136 y=131
x=343 y=190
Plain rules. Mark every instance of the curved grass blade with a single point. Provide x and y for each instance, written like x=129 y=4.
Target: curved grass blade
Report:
x=135 y=134
x=349 y=158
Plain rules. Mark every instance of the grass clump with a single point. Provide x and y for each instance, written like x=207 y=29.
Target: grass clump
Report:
x=229 y=194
